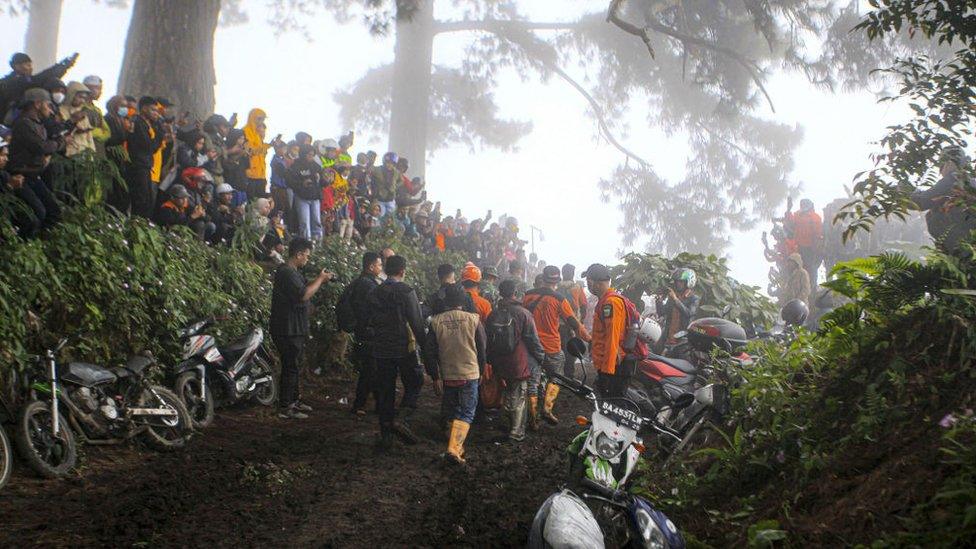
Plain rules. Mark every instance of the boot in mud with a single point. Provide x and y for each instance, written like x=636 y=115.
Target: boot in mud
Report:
x=533 y=413
x=386 y=443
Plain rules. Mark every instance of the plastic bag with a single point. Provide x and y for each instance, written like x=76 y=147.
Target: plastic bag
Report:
x=571 y=525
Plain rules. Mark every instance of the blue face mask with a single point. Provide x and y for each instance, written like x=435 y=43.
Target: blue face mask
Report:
x=123 y=111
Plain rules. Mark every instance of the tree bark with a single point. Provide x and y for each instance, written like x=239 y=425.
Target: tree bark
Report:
x=43 y=24
x=169 y=53
x=412 y=69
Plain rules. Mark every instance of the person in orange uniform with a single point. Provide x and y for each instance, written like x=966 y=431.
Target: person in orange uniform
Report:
x=614 y=368
x=548 y=308
x=471 y=280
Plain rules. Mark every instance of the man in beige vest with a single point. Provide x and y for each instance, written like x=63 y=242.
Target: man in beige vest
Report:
x=455 y=356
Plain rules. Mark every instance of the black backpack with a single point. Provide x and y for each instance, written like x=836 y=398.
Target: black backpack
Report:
x=500 y=327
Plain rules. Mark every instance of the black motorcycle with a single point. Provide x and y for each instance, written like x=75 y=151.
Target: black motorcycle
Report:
x=212 y=376
x=101 y=406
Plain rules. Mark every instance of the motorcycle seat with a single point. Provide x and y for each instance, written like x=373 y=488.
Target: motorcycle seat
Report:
x=238 y=346
x=676 y=363
x=87 y=374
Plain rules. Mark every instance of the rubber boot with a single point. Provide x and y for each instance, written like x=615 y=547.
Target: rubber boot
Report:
x=455 y=445
x=533 y=413
x=552 y=391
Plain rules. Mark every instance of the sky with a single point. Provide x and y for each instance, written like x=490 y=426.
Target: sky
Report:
x=550 y=182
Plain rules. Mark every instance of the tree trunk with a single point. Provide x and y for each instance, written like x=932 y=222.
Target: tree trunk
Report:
x=43 y=23
x=411 y=85
x=169 y=53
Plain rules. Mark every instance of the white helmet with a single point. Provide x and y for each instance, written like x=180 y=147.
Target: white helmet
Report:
x=649 y=331
x=224 y=188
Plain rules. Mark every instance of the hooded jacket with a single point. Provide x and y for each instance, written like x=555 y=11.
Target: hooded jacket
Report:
x=80 y=139
x=29 y=146
x=515 y=366
x=257 y=148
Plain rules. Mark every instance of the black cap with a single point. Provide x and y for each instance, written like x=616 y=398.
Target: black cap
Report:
x=454 y=295
x=551 y=274
x=597 y=272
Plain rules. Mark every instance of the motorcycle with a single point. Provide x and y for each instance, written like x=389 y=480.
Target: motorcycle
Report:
x=101 y=406
x=595 y=509
x=6 y=458
x=211 y=376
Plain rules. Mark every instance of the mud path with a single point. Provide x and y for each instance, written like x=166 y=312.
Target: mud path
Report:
x=255 y=480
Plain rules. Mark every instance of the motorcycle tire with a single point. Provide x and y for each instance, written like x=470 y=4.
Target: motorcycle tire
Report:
x=697 y=436
x=187 y=387
x=267 y=393
x=166 y=434
x=47 y=455
x=6 y=458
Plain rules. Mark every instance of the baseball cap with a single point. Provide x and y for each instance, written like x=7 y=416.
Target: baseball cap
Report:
x=551 y=274
x=597 y=272
x=178 y=191
x=92 y=80
x=36 y=94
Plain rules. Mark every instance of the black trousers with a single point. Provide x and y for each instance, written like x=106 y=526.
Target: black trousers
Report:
x=411 y=374
x=615 y=385
x=290 y=348
x=366 y=383
x=141 y=198
x=45 y=209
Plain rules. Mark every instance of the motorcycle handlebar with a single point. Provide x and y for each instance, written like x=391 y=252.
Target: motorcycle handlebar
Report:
x=571 y=384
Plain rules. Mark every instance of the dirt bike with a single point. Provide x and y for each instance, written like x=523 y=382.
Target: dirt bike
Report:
x=212 y=376
x=594 y=508
x=6 y=458
x=101 y=406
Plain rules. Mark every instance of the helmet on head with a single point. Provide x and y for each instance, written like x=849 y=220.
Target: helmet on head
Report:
x=193 y=176
x=795 y=312
x=687 y=275
x=649 y=331
x=471 y=272
x=224 y=188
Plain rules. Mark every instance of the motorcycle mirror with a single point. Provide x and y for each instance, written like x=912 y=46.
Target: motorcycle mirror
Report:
x=576 y=348
x=684 y=400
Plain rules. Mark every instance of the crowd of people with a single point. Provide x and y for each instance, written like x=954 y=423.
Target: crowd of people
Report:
x=212 y=176
x=797 y=253
x=482 y=340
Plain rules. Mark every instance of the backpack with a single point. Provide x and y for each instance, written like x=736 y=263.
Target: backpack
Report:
x=633 y=346
x=500 y=328
x=345 y=315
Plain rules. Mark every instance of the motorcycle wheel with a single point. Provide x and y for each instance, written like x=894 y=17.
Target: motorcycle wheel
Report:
x=187 y=387
x=267 y=392
x=6 y=459
x=697 y=436
x=165 y=434
x=48 y=455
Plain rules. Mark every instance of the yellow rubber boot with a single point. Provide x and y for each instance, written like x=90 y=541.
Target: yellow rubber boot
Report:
x=455 y=444
x=552 y=391
x=533 y=413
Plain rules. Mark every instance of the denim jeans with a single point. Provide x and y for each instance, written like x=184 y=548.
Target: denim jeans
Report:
x=460 y=402
x=309 y=218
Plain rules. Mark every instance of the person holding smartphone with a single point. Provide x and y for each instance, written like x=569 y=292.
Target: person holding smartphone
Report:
x=290 y=299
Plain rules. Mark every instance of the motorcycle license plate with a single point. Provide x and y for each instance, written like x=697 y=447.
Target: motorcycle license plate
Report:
x=624 y=412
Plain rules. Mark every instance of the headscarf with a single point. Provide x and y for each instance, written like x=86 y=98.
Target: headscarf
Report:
x=257 y=148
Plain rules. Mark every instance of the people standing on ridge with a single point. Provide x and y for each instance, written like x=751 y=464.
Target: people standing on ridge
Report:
x=455 y=360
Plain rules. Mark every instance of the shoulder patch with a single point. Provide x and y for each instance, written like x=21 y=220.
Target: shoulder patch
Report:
x=607 y=310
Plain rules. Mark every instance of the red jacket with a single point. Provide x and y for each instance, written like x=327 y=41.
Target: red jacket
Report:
x=807 y=229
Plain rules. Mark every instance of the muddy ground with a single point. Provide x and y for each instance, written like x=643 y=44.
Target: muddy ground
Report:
x=252 y=479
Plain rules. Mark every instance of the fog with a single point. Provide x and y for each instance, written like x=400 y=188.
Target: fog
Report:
x=550 y=182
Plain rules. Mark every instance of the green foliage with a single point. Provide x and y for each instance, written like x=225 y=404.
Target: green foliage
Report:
x=648 y=274
x=87 y=177
x=119 y=286
x=942 y=98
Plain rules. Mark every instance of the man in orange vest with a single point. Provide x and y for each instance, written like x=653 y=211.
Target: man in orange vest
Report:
x=614 y=367
x=548 y=309
x=808 y=233
x=471 y=280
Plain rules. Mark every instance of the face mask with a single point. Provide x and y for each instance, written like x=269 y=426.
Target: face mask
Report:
x=122 y=111
x=57 y=98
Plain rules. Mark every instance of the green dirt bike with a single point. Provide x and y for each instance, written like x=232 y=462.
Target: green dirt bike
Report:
x=101 y=406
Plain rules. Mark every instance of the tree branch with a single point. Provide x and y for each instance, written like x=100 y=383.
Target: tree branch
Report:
x=613 y=16
x=486 y=24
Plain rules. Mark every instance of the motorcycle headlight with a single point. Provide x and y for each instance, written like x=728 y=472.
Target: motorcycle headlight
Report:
x=650 y=532
x=606 y=447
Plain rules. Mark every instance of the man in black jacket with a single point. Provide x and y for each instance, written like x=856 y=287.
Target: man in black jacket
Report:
x=145 y=139
x=22 y=78
x=435 y=303
x=30 y=152
x=356 y=298
x=398 y=332
x=289 y=323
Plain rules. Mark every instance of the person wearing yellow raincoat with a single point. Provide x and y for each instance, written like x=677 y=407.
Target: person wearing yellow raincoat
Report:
x=257 y=150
